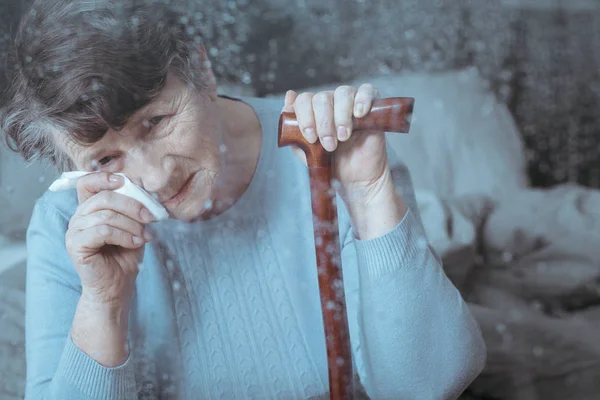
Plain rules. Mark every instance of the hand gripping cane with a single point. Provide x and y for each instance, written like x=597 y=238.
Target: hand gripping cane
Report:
x=389 y=115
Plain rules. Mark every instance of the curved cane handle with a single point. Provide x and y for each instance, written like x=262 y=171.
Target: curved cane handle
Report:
x=391 y=114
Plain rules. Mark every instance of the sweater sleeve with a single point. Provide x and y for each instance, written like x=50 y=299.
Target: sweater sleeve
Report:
x=413 y=336
x=56 y=368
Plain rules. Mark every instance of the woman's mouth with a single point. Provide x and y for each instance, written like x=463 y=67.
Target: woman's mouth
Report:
x=185 y=190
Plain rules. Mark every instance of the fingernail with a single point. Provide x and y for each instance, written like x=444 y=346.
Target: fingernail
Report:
x=342 y=133
x=329 y=143
x=310 y=135
x=138 y=240
x=358 y=109
x=114 y=178
x=147 y=215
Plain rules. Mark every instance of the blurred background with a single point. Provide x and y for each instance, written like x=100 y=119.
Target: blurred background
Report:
x=504 y=146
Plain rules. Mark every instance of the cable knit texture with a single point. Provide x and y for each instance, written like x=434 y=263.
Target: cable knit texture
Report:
x=229 y=308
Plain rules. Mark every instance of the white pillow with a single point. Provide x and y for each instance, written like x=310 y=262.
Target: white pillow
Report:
x=462 y=141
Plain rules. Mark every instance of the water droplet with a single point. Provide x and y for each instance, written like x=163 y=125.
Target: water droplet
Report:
x=42 y=179
x=319 y=241
x=246 y=78
x=176 y=286
x=165 y=377
x=507 y=257
x=331 y=305
x=410 y=34
x=311 y=72
x=538 y=351
x=208 y=204
x=28 y=59
x=500 y=328
x=170 y=265
x=537 y=305
x=340 y=361
x=222 y=148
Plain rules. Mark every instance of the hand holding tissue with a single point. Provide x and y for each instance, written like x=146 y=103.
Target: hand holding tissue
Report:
x=68 y=180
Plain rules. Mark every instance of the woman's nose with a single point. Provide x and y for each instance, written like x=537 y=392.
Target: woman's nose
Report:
x=151 y=171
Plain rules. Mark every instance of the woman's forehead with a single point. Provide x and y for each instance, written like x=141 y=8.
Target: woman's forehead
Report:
x=172 y=95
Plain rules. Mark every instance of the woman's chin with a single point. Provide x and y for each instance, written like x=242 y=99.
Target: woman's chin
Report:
x=190 y=212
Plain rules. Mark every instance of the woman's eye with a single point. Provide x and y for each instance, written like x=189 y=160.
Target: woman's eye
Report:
x=155 y=121
x=104 y=160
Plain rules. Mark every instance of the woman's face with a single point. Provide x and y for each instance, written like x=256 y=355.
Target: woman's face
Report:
x=171 y=147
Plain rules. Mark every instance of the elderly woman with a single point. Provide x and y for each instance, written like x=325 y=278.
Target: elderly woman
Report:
x=225 y=305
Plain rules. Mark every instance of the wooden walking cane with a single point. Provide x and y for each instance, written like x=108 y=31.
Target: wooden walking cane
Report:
x=389 y=115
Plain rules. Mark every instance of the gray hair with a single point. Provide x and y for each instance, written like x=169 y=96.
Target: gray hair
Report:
x=82 y=67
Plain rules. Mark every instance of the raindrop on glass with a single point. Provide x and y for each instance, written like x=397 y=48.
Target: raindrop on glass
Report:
x=170 y=265
x=246 y=78
x=319 y=241
x=222 y=148
x=176 y=286
x=500 y=328
x=507 y=257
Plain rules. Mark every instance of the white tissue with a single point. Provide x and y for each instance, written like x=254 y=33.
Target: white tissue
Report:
x=68 y=180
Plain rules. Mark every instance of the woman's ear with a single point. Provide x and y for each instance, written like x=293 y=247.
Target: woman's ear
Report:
x=203 y=65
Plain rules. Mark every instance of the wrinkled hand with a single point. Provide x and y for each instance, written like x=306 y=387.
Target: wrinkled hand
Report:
x=360 y=159
x=106 y=237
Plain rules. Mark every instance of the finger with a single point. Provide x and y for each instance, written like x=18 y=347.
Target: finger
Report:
x=364 y=99
x=304 y=115
x=288 y=101
x=322 y=103
x=91 y=184
x=111 y=218
x=108 y=200
x=98 y=236
x=343 y=103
